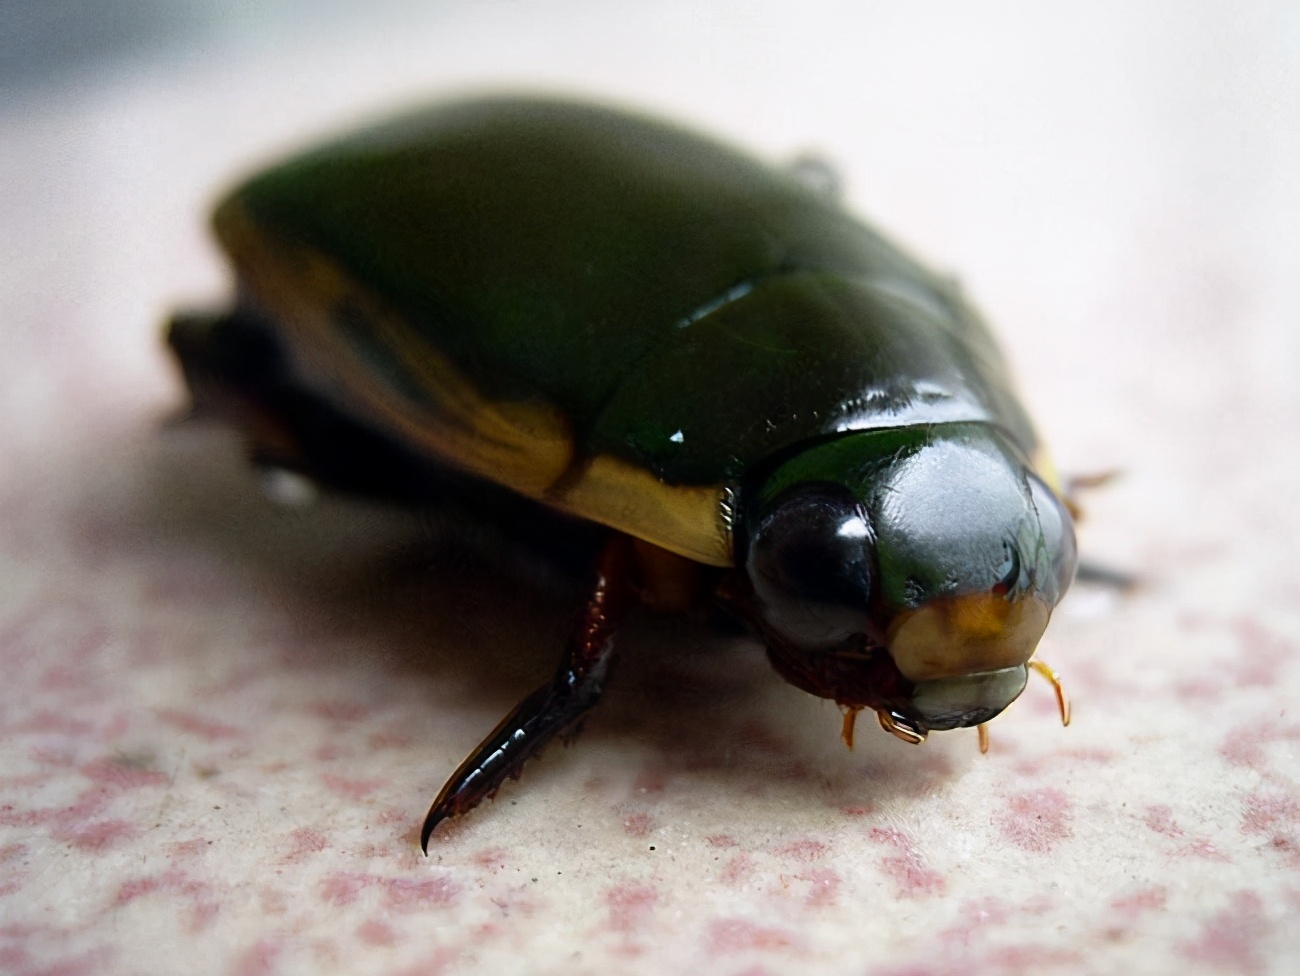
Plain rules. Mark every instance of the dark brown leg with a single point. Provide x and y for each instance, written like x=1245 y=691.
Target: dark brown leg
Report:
x=554 y=709
x=1099 y=574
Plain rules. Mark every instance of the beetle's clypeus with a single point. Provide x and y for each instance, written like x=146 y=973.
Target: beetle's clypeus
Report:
x=661 y=359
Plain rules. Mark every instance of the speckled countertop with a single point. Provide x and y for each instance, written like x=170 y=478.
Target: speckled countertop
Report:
x=221 y=722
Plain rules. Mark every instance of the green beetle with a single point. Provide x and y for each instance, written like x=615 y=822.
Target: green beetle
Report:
x=693 y=374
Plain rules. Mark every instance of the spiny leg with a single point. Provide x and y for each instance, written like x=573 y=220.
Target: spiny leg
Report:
x=557 y=707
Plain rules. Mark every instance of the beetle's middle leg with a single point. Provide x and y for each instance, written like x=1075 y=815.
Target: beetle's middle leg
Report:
x=1089 y=570
x=556 y=708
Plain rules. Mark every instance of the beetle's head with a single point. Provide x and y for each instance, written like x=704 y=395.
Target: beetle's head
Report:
x=911 y=571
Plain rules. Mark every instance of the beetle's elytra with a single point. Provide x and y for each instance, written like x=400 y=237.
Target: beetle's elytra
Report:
x=644 y=350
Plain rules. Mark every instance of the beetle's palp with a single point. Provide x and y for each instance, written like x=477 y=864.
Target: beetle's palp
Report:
x=1062 y=700
x=894 y=725
x=850 y=722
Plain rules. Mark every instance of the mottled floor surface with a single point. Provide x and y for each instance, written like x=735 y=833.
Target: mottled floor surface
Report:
x=221 y=722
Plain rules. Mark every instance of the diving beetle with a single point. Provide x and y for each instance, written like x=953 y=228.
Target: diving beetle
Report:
x=692 y=373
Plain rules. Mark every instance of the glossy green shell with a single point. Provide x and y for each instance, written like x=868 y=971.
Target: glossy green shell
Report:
x=544 y=292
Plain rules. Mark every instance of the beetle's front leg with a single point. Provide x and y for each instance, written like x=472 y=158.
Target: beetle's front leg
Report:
x=556 y=708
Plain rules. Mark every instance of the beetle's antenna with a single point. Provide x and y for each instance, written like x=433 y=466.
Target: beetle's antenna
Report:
x=850 y=722
x=1062 y=700
x=891 y=724
x=983 y=730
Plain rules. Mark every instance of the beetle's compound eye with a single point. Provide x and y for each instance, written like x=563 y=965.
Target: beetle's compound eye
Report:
x=810 y=563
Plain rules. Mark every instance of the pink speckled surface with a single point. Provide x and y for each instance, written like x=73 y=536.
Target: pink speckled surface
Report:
x=221 y=722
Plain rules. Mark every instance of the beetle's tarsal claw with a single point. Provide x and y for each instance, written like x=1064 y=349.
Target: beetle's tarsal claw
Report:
x=898 y=726
x=430 y=822
x=1062 y=700
x=983 y=730
x=850 y=723
x=520 y=736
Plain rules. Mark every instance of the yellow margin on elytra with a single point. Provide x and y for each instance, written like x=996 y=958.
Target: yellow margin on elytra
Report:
x=525 y=446
x=686 y=519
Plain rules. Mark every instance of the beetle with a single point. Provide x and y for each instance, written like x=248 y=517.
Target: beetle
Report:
x=693 y=374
